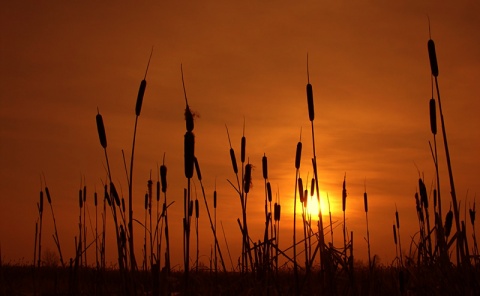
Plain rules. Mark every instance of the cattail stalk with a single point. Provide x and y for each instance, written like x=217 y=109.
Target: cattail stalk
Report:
x=434 y=69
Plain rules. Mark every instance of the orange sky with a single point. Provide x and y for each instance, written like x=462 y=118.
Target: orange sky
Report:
x=371 y=79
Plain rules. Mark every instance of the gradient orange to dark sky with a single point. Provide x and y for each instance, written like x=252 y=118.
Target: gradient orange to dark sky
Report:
x=369 y=67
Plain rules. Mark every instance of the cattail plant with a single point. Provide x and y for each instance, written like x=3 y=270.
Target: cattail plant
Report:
x=55 y=237
x=40 y=213
x=424 y=201
x=242 y=191
x=163 y=178
x=189 y=158
x=344 y=204
x=397 y=219
x=113 y=192
x=365 y=203
x=434 y=69
x=212 y=226
x=298 y=156
x=311 y=116
x=138 y=109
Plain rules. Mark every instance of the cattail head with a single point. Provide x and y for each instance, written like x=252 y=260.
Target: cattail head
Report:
x=101 y=131
x=397 y=219
x=298 y=155
x=48 y=195
x=197 y=209
x=150 y=187
x=106 y=195
x=344 y=195
x=433 y=57
x=158 y=191
x=423 y=193
x=189 y=154
x=248 y=177
x=234 y=161
x=417 y=203
x=264 y=167
x=269 y=192
x=163 y=177
x=114 y=194
x=146 y=201
x=141 y=92
x=300 y=190
x=365 y=202
x=433 y=116
x=215 y=199
x=394 y=234
x=275 y=212
x=472 y=214
x=197 y=169
x=95 y=198
x=189 y=119
x=311 y=111
x=448 y=223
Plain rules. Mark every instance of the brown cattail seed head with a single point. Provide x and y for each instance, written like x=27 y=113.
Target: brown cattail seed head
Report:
x=189 y=154
x=300 y=189
x=40 y=208
x=95 y=198
x=275 y=212
x=163 y=177
x=106 y=195
x=433 y=116
x=433 y=57
x=146 y=201
x=197 y=209
x=248 y=177
x=189 y=119
x=101 y=131
x=264 y=167
x=365 y=202
x=423 y=193
x=141 y=92
x=298 y=155
x=448 y=223
x=215 y=199
x=234 y=161
x=197 y=169
x=48 y=195
x=398 y=220
x=114 y=193
x=311 y=111
x=269 y=192
x=394 y=234
x=242 y=149
x=344 y=196
x=158 y=191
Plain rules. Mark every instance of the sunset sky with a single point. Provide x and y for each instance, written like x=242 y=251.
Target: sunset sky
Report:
x=242 y=60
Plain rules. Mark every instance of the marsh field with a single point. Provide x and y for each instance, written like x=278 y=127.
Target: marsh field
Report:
x=239 y=148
